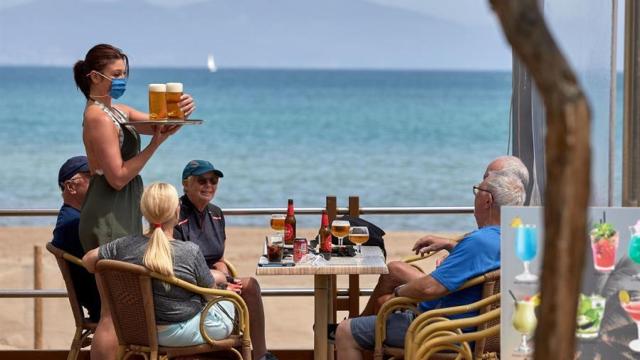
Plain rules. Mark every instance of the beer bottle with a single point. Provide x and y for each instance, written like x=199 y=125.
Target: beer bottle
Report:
x=289 y=225
x=324 y=236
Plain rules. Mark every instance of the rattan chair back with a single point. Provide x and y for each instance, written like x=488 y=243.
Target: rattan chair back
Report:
x=491 y=344
x=84 y=326
x=128 y=290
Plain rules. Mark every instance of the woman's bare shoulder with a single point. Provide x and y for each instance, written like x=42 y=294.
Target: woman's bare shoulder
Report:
x=94 y=116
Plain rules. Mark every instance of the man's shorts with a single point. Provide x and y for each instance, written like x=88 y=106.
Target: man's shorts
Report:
x=363 y=329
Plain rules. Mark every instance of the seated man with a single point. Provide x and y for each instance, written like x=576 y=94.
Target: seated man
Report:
x=476 y=254
x=510 y=165
x=203 y=223
x=401 y=272
x=73 y=179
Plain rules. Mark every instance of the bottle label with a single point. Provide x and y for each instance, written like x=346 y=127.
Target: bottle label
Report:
x=325 y=243
x=289 y=234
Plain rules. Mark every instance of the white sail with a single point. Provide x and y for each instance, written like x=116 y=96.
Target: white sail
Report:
x=211 y=64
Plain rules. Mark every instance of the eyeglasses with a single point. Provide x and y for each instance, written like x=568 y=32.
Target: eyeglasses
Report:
x=477 y=188
x=78 y=176
x=203 y=180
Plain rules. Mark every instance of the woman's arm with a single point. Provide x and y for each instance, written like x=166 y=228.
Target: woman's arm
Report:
x=101 y=136
x=90 y=259
x=221 y=266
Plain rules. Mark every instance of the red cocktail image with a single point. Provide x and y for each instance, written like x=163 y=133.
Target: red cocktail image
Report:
x=604 y=245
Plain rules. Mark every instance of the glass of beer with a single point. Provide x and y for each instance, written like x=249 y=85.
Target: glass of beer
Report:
x=157 y=101
x=359 y=235
x=174 y=92
x=277 y=223
x=340 y=229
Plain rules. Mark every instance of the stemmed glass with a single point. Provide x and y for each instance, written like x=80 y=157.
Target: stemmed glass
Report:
x=359 y=235
x=277 y=223
x=631 y=304
x=524 y=321
x=526 y=250
x=340 y=229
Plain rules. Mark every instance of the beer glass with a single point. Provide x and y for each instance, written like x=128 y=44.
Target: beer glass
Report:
x=359 y=235
x=157 y=101
x=277 y=223
x=174 y=92
x=340 y=229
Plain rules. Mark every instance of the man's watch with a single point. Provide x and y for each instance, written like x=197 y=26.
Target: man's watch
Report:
x=397 y=289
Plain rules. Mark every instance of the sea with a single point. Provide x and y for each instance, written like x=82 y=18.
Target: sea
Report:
x=393 y=138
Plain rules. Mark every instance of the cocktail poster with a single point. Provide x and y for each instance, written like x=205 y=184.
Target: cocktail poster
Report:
x=608 y=316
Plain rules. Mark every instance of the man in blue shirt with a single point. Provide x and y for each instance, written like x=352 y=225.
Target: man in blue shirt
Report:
x=73 y=180
x=477 y=253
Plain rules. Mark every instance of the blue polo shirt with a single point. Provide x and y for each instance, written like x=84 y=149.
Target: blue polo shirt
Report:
x=476 y=254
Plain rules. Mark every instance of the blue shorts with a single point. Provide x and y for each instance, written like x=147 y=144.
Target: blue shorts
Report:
x=363 y=329
x=218 y=325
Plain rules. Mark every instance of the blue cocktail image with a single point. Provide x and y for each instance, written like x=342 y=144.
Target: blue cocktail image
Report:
x=526 y=250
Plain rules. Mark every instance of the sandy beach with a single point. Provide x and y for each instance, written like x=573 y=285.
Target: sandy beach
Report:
x=288 y=320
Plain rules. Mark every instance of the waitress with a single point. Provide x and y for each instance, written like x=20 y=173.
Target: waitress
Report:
x=112 y=205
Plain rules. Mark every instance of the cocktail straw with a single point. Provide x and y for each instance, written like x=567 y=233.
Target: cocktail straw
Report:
x=513 y=296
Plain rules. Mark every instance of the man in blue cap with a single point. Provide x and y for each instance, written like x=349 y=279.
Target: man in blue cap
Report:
x=73 y=180
x=203 y=223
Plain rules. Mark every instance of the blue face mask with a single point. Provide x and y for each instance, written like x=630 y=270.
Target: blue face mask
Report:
x=118 y=86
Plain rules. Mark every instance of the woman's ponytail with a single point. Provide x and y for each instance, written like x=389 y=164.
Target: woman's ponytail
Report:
x=159 y=206
x=80 y=76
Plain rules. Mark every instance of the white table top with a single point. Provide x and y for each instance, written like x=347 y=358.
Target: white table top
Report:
x=370 y=262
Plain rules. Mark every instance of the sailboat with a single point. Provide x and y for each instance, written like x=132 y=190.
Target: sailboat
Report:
x=211 y=64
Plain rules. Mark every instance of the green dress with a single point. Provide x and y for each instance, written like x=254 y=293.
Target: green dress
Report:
x=107 y=213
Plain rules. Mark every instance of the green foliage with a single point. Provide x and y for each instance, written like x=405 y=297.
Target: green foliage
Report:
x=602 y=231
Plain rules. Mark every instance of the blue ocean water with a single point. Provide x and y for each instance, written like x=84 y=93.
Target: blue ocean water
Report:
x=395 y=138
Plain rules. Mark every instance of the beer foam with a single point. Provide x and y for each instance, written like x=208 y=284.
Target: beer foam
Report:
x=174 y=87
x=157 y=87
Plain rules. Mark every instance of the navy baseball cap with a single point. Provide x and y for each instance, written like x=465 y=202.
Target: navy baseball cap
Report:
x=199 y=167
x=71 y=167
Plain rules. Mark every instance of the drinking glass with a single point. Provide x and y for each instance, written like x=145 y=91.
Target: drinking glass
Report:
x=277 y=223
x=590 y=313
x=340 y=229
x=526 y=250
x=275 y=247
x=524 y=321
x=632 y=306
x=359 y=235
x=604 y=245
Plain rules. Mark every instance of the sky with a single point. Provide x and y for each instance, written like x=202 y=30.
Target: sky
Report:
x=334 y=34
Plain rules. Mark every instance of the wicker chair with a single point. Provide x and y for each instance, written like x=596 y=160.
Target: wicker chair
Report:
x=128 y=290
x=84 y=326
x=435 y=324
x=491 y=287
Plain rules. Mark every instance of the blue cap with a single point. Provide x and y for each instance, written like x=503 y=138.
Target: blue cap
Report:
x=199 y=167
x=71 y=167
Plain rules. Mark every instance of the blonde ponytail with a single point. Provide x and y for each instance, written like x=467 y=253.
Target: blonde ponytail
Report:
x=158 y=205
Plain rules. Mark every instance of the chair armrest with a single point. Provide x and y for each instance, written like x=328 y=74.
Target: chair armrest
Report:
x=411 y=304
x=449 y=342
x=72 y=259
x=433 y=330
x=430 y=317
x=232 y=269
x=215 y=295
x=388 y=308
